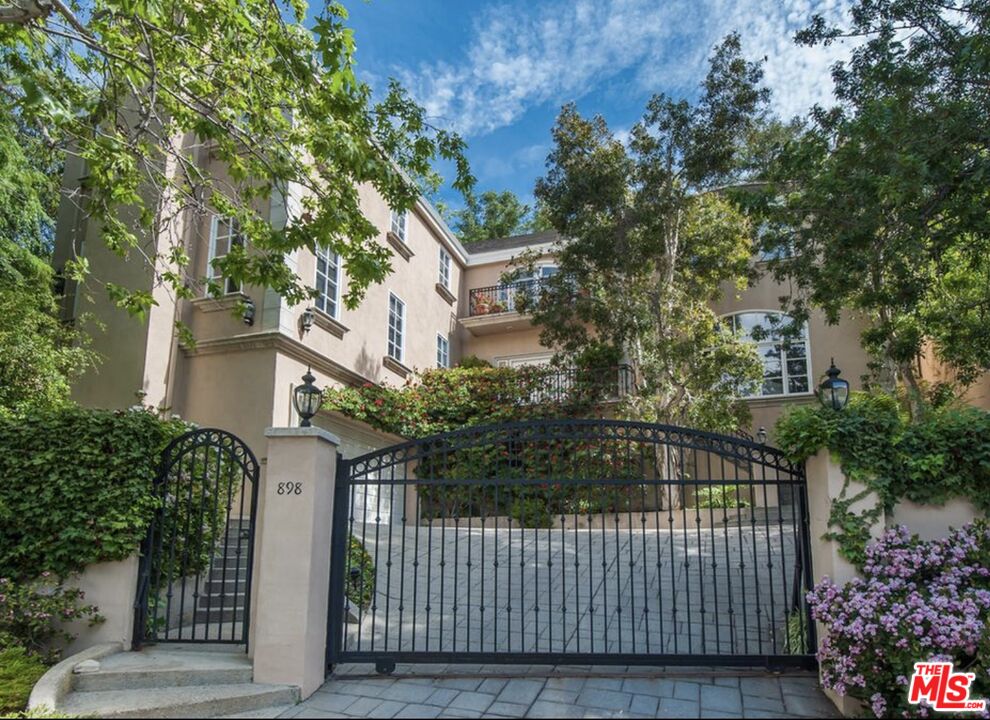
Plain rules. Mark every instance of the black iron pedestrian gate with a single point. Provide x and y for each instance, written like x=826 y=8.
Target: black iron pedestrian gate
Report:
x=571 y=541
x=194 y=583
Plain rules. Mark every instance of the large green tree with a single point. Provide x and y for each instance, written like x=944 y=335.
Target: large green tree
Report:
x=39 y=356
x=881 y=205
x=652 y=242
x=495 y=215
x=142 y=91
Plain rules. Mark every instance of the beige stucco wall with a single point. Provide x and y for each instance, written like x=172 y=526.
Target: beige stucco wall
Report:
x=135 y=354
x=826 y=342
x=111 y=587
x=413 y=281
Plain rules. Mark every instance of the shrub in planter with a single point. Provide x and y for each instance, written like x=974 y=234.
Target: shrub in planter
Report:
x=33 y=614
x=920 y=601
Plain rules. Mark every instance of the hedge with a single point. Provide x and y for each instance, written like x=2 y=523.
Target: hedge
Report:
x=75 y=487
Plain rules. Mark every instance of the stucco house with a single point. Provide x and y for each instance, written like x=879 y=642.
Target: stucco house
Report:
x=443 y=301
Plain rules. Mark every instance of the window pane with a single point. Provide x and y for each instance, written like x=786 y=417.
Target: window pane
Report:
x=797 y=384
x=797 y=368
x=773 y=386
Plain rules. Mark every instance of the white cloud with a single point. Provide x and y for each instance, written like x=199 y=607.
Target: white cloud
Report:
x=555 y=52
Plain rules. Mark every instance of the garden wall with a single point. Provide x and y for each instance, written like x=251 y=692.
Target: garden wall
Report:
x=111 y=586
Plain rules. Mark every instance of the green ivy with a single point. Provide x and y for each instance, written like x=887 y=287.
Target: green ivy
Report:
x=943 y=454
x=74 y=487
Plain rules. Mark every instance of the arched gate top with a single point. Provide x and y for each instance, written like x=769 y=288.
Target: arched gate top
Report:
x=559 y=430
x=231 y=445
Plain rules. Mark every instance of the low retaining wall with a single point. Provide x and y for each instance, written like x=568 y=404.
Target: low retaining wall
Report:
x=111 y=586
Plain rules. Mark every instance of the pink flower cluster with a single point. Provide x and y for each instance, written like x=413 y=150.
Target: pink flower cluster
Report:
x=920 y=600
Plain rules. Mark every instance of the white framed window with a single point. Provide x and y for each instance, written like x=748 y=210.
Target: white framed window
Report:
x=224 y=235
x=786 y=358
x=398 y=224
x=328 y=281
x=443 y=351
x=444 y=278
x=396 y=327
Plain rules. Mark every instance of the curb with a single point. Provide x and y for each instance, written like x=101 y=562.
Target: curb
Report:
x=55 y=684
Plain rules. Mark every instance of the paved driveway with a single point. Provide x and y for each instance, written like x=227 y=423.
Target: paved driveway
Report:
x=719 y=584
x=571 y=692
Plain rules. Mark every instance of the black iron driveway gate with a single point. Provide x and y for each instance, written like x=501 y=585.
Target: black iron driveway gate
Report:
x=571 y=541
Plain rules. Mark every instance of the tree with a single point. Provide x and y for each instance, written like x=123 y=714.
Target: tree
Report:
x=881 y=205
x=495 y=215
x=140 y=90
x=652 y=242
x=29 y=181
x=38 y=355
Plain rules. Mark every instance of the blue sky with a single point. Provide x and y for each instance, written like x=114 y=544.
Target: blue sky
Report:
x=497 y=71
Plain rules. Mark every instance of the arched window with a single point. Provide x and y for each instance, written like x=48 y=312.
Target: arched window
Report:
x=785 y=356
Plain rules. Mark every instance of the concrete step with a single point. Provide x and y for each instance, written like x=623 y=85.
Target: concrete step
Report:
x=227 y=597
x=192 y=701
x=217 y=616
x=273 y=712
x=164 y=668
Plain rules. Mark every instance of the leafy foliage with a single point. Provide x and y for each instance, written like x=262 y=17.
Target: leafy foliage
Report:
x=720 y=496
x=936 y=457
x=879 y=206
x=76 y=487
x=278 y=106
x=29 y=180
x=447 y=400
x=652 y=242
x=32 y=616
x=18 y=674
x=919 y=601
x=474 y=394
x=39 y=356
x=362 y=576
x=495 y=215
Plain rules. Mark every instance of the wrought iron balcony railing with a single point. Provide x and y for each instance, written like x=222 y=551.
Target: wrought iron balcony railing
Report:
x=496 y=299
x=575 y=385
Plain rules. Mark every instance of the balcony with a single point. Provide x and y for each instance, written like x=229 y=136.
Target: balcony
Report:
x=568 y=386
x=494 y=309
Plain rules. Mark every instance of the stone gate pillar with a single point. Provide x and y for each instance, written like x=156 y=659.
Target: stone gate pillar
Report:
x=295 y=511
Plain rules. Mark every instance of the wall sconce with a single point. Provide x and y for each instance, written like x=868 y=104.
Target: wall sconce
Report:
x=761 y=435
x=306 y=320
x=248 y=313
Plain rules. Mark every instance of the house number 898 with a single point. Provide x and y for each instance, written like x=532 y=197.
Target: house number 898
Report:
x=289 y=488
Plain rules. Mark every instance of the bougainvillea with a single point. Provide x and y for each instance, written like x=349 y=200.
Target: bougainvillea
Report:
x=919 y=601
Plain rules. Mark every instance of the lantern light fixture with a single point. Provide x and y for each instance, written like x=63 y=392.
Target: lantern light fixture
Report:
x=307 y=398
x=307 y=319
x=834 y=391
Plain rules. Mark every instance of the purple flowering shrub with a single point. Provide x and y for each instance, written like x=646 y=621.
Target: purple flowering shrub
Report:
x=919 y=601
x=32 y=615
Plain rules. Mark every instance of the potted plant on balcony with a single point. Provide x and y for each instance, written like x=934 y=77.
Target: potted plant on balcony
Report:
x=481 y=306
